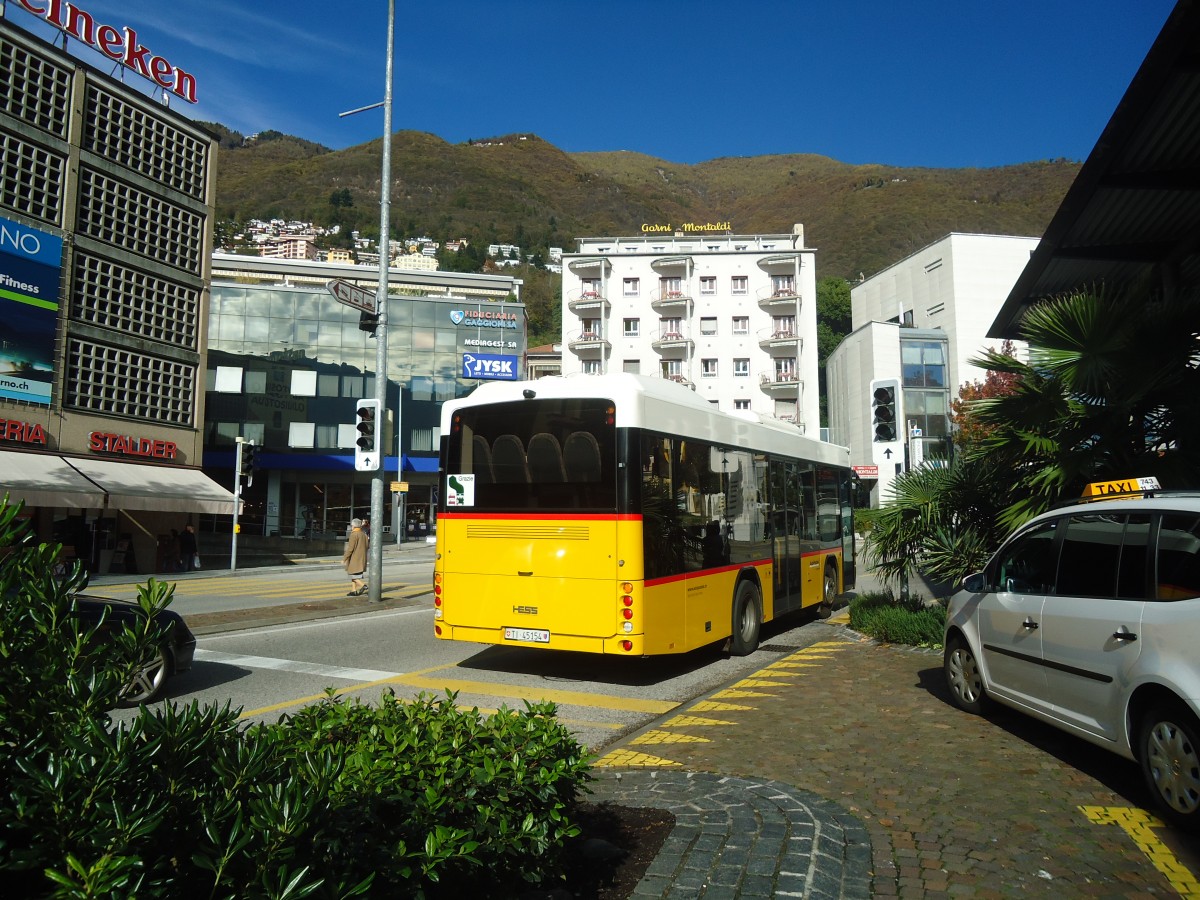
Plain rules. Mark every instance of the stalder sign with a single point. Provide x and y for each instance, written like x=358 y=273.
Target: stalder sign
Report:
x=118 y=44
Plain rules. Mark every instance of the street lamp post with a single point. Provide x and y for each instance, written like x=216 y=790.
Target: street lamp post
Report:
x=375 y=549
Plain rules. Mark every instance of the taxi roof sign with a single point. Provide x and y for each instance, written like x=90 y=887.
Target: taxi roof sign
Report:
x=1098 y=490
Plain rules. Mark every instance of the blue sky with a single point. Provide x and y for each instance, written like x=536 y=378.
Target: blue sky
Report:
x=944 y=83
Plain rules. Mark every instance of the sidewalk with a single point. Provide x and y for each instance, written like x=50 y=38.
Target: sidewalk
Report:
x=841 y=769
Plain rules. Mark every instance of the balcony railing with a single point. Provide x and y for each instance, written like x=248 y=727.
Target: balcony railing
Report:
x=778 y=339
x=671 y=340
x=671 y=300
x=772 y=298
x=587 y=301
x=780 y=384
x=681 y=379
x=588 y=341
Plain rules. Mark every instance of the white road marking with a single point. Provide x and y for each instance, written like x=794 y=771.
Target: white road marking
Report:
x=294 y=666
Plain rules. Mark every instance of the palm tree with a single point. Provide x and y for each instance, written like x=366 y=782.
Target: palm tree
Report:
x=1111 y=390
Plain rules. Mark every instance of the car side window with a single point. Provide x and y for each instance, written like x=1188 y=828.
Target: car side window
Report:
x=1027 y=565
x=1104 y=555
x=1178 y=563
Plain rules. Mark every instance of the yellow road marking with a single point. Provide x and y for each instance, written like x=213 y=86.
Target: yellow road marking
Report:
x=741 y=695
x=667 y=737
x=1140 y=825
x=571 y=698
x=689 y=721
x=633 y=758
x=717 y=706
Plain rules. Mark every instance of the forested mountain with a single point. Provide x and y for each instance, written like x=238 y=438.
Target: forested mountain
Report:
x=521 y=190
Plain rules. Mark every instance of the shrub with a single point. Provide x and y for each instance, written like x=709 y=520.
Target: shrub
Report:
x=339 y=800
x=914 y=622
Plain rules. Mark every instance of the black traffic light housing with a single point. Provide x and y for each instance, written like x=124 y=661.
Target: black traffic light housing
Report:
x=368 y=322
x=367 y=452
x=885 y=410
x=249 y=460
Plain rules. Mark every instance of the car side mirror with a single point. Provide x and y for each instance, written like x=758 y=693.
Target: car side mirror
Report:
x=973 y=584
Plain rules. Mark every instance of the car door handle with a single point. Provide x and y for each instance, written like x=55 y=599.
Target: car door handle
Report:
x=1029 y=624
x=1124 y=634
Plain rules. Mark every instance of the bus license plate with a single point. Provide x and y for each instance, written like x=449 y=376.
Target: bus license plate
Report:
x=527 y=635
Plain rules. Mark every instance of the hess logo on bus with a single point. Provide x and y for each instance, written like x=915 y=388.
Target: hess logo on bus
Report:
x=525 y=610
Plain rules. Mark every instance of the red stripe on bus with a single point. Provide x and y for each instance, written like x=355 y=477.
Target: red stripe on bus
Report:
x=542 y=517
x=736 y=567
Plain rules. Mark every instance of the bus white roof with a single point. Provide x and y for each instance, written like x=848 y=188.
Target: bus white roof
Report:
x=660 y=405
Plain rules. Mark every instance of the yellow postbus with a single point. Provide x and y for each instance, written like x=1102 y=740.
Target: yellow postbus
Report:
x=625 y=515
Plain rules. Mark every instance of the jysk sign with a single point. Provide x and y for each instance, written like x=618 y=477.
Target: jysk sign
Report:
x=489 y=366
x=30 y=269
x=119 y=44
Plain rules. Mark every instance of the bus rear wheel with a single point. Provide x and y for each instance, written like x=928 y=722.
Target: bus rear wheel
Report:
x=747 y=619
x=828 y=592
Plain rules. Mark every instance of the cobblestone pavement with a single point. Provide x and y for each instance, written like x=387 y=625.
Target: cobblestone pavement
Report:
x=847 y=738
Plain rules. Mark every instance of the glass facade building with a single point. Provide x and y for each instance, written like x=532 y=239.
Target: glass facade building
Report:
x=287 y=364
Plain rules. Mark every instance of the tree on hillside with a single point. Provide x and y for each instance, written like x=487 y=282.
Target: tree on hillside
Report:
x=833 y=315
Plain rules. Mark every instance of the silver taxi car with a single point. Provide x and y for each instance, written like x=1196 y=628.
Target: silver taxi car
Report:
x=1088 y=618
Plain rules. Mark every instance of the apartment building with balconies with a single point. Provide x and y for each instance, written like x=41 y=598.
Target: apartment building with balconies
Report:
x=731 y=316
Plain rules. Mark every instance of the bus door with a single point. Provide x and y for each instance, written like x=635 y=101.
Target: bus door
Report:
x=784 y=526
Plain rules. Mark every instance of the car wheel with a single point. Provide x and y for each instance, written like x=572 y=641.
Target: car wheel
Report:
x=1169 y=753
x=828 y=593
x=963 y=676
x=747 y=619
x=149 y=680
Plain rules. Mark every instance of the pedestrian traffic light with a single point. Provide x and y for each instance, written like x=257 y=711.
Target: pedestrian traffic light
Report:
x=885 y=409
x=368 y=322
x=366 y=446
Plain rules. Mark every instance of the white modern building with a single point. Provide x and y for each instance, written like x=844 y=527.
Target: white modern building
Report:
x=731 y=316
x=919 y=322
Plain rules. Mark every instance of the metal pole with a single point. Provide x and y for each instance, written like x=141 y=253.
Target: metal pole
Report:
x=375 y=550
x=237 y=503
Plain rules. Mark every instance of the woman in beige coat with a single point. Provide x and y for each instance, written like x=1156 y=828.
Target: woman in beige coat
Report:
x=355 y=558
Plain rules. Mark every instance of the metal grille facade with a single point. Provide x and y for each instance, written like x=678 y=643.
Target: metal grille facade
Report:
x=33 y=88
x=30 y=179
x=128 y=184
x=122 y=382
x=120 y=214
x=136 y=140
x=112 y=295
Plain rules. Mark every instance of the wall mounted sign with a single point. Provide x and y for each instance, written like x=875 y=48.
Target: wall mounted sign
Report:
x=30 y=273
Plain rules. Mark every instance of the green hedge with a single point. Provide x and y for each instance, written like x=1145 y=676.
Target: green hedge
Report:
x=342 y=799
x=886 y=619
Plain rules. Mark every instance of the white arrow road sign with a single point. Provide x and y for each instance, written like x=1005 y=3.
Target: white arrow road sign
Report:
x=352 y=295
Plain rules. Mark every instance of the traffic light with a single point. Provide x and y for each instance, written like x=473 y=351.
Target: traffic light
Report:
x=366 y=446
x=368 y=322
x=885 y=410
x=250 y=451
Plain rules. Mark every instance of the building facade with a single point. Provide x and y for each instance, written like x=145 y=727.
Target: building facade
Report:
x=287 y=364
x=919 y=323
x=106 y=208
x=731 y=316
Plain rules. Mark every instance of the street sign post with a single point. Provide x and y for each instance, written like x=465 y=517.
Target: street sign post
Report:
x=352 y=295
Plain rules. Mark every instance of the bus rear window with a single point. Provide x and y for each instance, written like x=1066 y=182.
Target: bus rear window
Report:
x=536 y=455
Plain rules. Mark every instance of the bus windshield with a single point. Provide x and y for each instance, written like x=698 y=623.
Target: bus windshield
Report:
x=552 y=455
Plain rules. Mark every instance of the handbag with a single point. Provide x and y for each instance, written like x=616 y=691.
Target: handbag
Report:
x=195 y=560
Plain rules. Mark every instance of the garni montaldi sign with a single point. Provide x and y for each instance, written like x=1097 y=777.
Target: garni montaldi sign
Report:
x=687 y=228
x=118 y=44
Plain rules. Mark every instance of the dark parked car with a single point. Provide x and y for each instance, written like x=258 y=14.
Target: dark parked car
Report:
x=174 y=652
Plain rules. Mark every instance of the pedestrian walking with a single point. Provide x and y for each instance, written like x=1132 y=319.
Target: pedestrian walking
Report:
x=354 y=558
x=189 y=555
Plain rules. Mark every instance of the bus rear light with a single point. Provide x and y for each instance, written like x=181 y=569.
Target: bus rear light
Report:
x=437 y=601
x=627 y=613
x=627 y=600
x=437 y=629
x=626 y=646
x=626 y=587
